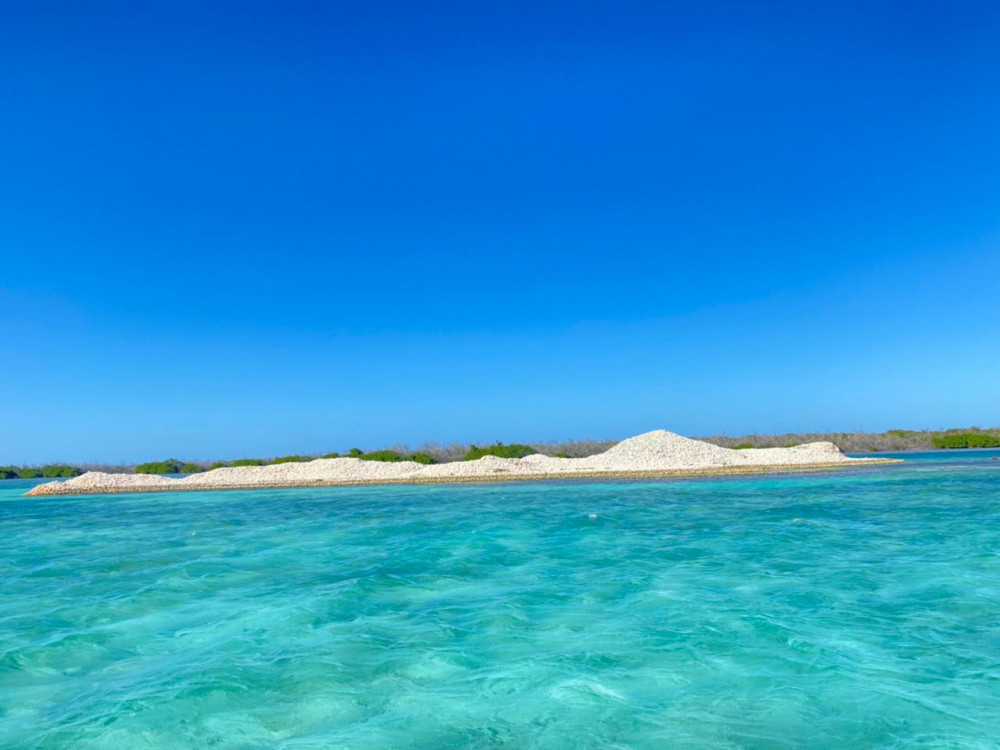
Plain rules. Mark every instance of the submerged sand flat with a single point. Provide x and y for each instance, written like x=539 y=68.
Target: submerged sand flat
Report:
x=652 y=454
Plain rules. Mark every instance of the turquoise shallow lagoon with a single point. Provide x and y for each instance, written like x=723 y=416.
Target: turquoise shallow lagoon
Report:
x=843 y=610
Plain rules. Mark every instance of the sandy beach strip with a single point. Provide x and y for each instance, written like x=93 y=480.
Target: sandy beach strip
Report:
x=652 y=455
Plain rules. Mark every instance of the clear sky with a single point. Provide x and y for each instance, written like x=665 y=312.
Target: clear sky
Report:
x=237 y=229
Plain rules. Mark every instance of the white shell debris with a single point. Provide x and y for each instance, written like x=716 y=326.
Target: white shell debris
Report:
x=644 y=455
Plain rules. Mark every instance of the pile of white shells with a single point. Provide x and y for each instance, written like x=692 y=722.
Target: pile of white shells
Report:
x=647 y=454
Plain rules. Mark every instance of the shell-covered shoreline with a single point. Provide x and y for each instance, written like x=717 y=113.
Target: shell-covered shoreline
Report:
x=657 y=454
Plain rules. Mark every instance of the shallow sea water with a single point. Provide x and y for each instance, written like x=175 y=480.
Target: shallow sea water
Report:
x=846 y=610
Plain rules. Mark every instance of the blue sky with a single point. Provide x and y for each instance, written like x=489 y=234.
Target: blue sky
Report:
x=262 y=228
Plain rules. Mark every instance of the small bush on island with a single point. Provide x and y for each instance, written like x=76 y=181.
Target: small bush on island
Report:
x=170 y=466
x=191 y=469
x=387 y=456
x=60 y=470
x=393 y=457
x=332 y=455
x=514 y=450
x=285 y=460
x=29 y=472
x=237 y=462
x=8 y=472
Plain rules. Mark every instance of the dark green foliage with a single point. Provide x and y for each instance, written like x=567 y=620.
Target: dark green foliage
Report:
x=395 y=457
x=967 y=440
x=562 y=455
x=741 y=446
x=60 y=470
x=355 y=453
x=388 y=456
x=190 y=469
x=50 y=471
x=514 y=450
x=332 y=455
x=289 y=460
x=170 y=466
x=237 y=462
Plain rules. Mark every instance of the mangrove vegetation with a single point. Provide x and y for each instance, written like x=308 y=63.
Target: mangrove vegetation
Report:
x=898 y=440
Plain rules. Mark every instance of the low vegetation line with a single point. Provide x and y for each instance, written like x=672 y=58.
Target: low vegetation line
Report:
x=53 y=471
x=848 y=442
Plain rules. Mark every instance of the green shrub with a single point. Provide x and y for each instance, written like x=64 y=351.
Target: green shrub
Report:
x=742 y=446
x=984 y=441
x=967 y=440
x=387 y=456
x=49 y=471
x=60 y=470
x=391 y=457
x=288 y=460
x=332 y=455
x=514 y=450
x=562 y=455
x=237 y=462
x=191 y=469
x=170 y=466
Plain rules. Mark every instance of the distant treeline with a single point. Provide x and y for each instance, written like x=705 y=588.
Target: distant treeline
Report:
x=48 y=471
x=873 y=442
x=431 y=453
x=849 y=442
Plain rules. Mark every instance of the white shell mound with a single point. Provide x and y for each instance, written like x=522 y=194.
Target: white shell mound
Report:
x=647 y=454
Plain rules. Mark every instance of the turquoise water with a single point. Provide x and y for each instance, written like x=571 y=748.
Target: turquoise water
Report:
x=828 y=611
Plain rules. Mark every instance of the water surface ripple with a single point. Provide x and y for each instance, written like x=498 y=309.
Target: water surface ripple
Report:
x=855 y=609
